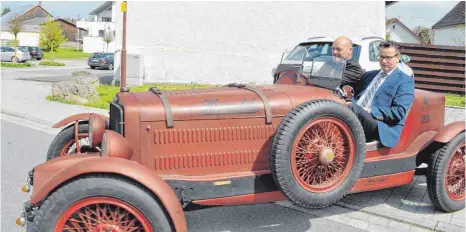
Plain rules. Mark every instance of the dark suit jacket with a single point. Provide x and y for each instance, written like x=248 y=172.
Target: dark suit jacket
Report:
x=352 y=76
x=391 y=104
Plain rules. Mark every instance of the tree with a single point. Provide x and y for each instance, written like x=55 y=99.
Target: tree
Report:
x=15 y=26
x=423 y=33
x=51 y=35
x=109 y=37
x=5 y=10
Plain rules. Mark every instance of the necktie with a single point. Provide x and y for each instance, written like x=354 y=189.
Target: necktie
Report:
x=372 y=90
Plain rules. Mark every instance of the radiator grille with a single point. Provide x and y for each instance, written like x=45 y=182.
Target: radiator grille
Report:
x=116 y=118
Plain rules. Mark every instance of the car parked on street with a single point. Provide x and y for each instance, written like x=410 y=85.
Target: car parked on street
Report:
x=101 y=60
x=35 y=52
x=365 y=51
x=160 y=151
x=8 y=54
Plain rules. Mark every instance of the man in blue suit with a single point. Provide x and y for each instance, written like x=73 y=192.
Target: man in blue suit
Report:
x=384 y=103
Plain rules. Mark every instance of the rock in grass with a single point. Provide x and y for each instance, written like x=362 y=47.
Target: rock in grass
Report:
x=81 y=89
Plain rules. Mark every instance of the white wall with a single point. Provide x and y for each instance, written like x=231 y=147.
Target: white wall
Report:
x=96 y=44
x=449 y=36
x=25 y=38
x=94 y=27
x=400 y=34
x=224 y=42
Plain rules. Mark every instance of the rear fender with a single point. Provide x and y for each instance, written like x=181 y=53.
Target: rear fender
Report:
x=51 y=175
x=76 y=117
x=449 y=132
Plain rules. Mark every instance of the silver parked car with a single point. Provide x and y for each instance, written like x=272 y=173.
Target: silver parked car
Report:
x=8 y=54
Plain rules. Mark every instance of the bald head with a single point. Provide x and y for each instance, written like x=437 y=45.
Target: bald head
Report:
x=342 y=47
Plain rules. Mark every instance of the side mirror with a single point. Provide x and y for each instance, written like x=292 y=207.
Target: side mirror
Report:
x=405 y=58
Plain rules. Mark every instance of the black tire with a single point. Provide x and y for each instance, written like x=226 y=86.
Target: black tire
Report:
x=92 y=67
x=436 y=173
x=100 y=186
x=39 y=59
x=63 y=138
x=281 y=155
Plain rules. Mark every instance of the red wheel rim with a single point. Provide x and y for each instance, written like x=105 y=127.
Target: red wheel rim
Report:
x=323 y=154
x=99 y=214
x=454 y=178
x=64 y=150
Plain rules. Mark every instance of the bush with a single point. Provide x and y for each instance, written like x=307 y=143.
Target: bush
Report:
x=51 y=63
x=13 y=65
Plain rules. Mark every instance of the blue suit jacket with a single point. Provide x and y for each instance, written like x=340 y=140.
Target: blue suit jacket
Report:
x=391 y=104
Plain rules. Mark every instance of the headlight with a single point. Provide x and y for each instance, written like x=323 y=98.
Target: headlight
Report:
x=96 y=129
x=115 y=145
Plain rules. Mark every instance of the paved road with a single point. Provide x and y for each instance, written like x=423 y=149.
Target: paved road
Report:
x=23 y=147
x=54 y=74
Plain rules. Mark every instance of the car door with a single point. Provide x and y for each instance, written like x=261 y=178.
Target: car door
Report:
x=3 y=53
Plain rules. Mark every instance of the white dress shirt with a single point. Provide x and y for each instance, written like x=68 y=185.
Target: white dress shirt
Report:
x=364 y=95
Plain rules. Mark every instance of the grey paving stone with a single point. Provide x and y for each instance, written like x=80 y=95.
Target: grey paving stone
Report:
x=378 y=228
x=448 y=227
x=378 y=199
x=421 y=179
x=358 y=224
x=442 y=217
x=359 y=215
x=381 y=221
x=457 y=222
x=418 y=229
x=417 y=192
x=411 y=208
x=459 y=215
x=338 y=209
x=399 y=226
x=420 y=185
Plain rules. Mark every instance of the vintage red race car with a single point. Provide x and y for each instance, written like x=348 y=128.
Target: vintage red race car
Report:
x=296 y=139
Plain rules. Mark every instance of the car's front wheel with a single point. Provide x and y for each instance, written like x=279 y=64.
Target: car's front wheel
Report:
x=101 y=203
x=65 y=142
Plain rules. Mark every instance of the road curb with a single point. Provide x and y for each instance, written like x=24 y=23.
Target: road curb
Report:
x=24 y=116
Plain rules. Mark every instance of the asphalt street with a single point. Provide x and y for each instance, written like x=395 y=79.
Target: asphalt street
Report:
x=55 y=74
x=23 y=147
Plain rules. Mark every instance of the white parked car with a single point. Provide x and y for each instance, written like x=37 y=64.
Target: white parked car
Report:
x=8 y=54
x=365 y=51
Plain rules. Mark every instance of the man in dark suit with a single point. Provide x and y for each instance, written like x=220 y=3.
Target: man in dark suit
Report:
x=386 y=99
x=342 y=48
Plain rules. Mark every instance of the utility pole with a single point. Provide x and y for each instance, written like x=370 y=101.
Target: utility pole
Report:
x=123 y=87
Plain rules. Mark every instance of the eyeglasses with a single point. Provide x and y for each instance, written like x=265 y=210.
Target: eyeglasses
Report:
x=388 y=58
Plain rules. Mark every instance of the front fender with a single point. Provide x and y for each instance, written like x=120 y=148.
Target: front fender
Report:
x=76 y=117
x=449 y=132
x=48 y=176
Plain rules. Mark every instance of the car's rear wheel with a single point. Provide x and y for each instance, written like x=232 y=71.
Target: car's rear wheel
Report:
x=101 y=203
x=446 y=175
x=110 y=67
x=65 y=142
x=92 y=67
x=14 y=59
x=318 y=153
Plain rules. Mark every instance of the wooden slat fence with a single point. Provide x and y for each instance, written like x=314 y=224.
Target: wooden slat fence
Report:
x=437 y=68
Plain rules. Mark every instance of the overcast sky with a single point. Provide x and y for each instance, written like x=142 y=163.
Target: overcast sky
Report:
x=411 y=13
x=419 y=13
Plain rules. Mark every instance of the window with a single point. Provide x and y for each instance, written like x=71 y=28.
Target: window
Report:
x=106 y=19
x=313 y=50
x=374 y=50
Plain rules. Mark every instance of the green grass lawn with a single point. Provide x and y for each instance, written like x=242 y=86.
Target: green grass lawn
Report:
x=66 y=53
x=107 y=92
x=17 y=65
x=455 y=100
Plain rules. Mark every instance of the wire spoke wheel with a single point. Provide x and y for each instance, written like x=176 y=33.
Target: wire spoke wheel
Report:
x=323 y=154
x=99 y=214
x=455 y=176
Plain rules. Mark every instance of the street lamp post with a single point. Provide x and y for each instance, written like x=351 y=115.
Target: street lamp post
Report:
x=123 y=87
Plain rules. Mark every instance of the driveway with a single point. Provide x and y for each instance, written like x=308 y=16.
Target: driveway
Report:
x=55 y=74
